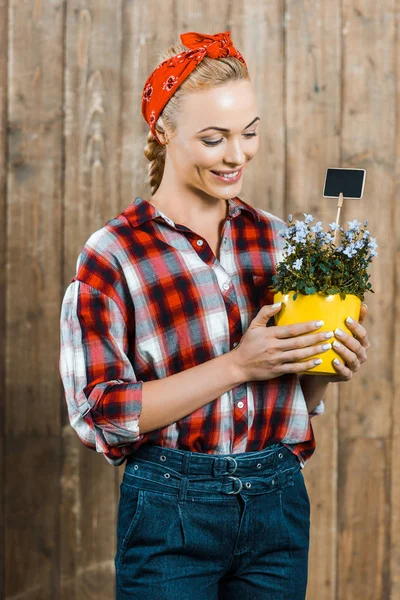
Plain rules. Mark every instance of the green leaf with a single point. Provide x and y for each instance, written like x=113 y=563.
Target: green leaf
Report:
x=310 y=290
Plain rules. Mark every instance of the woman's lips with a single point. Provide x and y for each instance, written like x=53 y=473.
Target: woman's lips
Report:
x=228 y=179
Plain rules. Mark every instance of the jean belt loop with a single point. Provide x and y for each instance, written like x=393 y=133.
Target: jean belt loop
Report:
x=185 y=479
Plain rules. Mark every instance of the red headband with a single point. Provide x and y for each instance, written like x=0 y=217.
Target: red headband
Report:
x=169 y=75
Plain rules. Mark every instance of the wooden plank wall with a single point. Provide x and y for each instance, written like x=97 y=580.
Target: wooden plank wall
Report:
x=327 y=79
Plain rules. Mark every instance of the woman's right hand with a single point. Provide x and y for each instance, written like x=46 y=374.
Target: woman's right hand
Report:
x=268 y=352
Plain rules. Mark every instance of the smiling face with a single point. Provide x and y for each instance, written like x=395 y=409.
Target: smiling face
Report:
x=194 y=153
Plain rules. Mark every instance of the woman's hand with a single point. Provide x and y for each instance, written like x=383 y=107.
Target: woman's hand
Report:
x=353 y=350
x=268 y=352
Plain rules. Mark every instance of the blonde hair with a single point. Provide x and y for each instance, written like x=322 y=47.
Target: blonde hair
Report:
x=210 y=72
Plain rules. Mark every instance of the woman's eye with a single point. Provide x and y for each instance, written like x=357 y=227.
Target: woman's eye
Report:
x=246 y=135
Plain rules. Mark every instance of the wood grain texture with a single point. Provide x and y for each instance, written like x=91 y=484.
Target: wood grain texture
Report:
x=366 y=403
x=313 y=95
x=34 y=190
x=394 y=441
x=3 y=280
x=92 y=137
x=327 y=81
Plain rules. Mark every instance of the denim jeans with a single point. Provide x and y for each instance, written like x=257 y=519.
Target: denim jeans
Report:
x=194 y=526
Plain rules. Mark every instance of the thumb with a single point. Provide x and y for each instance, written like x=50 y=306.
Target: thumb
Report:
x=266 y=312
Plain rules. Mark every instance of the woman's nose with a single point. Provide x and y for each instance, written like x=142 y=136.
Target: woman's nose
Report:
x=234 y=153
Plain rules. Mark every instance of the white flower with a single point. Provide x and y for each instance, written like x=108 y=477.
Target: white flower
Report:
x=350 y=250
x=333 y=226
x=300 y=237
x=372 y=244
x=350 y=234
x=373 y=253
x=317 y=228
x=354 y=225
x=366 y=234
x=329 y=237
x=283 y=232
x=359 y=244
x=289 y=250
x=308 y=218
x=300 y=226
x=297 y=264
x=290 y=218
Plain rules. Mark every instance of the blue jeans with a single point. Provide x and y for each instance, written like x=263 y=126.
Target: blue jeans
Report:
x=194 y=526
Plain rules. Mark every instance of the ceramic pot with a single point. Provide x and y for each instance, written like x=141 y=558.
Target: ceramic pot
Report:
x=314 y=307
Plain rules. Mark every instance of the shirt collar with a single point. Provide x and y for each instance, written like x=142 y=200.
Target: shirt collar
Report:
x=140 y=211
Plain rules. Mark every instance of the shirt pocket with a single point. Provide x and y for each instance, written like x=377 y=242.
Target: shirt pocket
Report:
x=263 y=293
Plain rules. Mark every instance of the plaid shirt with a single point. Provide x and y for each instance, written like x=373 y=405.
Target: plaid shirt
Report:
x=150 y=299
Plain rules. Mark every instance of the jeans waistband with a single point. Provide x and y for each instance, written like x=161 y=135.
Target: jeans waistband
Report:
x=189 y=463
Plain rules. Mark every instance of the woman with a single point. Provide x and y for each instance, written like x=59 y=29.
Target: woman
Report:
x=168 y=365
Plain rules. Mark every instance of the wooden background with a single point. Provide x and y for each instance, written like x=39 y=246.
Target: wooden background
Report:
x=327 y=79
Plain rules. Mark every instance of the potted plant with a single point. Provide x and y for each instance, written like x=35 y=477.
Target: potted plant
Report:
x=317 y=279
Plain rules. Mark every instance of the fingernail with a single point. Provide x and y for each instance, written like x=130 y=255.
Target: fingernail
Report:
x=276 y=304
x=317 y=361
x=366 y=305
x=338 y=331
x=329 y=334
x=319 y=323
x=336 y=344
x=336 y=361
x=327 y=346
x=350 y=320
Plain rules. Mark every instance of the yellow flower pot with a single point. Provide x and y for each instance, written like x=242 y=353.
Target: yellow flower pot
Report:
x=314 y=307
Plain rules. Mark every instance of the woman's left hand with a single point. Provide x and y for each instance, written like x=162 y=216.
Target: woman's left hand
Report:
x=353 y=350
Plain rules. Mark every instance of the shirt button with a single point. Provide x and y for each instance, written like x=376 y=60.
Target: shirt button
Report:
x=235 y=344
x=226 y=286
x=240 y=404
x=199 y=242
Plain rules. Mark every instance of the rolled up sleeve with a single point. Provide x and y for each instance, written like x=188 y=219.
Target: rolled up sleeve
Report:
x=103 y=395
x=317 y=410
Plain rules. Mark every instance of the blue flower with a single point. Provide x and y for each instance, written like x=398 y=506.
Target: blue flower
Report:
x=350 y=250
x=359 y=244
x=290 y=218
x=366 y=234
x=308 y=218
x=300 y=226
x=297 y=264
x=300 y=238
x=317 y=228
x=354 y=225
x=290 y=250
x=333 y=226
x=372 y=244
x=329 y=238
